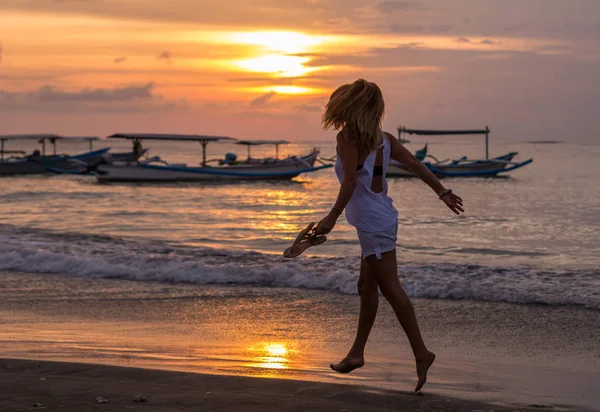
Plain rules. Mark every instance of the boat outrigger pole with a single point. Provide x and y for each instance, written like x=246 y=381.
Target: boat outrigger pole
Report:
x=418 y=132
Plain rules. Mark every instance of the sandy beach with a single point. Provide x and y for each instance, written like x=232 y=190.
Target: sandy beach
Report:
x=75 y=387
x=250 y=346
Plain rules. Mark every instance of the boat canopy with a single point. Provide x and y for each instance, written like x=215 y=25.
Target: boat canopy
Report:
x=442 y=132
x=39 y=137
x=421 y=132
x=81 y=138
x=44 y=137
x=261 y=142
x=174 y=137
x=168 y=136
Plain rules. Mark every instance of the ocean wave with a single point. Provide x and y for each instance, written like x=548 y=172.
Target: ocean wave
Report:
x=98 y=256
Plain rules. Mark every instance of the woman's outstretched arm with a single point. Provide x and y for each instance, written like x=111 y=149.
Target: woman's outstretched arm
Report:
x=401 y=154
x=348 y=155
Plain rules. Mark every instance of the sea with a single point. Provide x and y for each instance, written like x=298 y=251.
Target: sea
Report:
x=516 y=277
x=531 y=238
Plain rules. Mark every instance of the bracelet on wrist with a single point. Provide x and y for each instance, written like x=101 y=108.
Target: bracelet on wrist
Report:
x=444 y=193
x=339 y=212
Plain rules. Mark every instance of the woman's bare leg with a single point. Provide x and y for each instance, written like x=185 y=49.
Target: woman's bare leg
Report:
x=369 y=301
x=385 y=271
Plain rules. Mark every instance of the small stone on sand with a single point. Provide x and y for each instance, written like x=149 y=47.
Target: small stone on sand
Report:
x=140 y=398
x=37 y=405
x=209 y=393
x=100 y=399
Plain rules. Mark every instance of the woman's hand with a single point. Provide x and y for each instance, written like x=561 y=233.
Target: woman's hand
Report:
x=453 y=202
x=326 y=224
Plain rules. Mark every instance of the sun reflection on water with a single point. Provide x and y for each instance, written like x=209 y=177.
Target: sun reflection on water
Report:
x=270 y=356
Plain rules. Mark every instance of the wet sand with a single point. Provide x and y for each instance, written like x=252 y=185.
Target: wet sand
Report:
x=75 y=387
x=488 y=353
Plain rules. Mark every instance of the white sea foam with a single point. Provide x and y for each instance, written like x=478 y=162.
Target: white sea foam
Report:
x=37 y=251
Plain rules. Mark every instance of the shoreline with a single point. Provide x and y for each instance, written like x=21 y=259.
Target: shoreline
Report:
x=75 y=386
x=277 y=333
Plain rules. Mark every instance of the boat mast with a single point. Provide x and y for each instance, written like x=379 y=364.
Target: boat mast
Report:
x=276 y=151
x=487 y=142
x=203 y=143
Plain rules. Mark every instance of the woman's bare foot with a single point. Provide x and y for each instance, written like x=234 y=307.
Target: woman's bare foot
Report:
x=423 y=366
x=348 y=364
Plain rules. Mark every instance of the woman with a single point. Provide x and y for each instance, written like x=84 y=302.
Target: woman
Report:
x=363 y=154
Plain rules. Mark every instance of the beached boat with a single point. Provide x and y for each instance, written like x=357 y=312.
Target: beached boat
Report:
x=157 y=170
x=38 y=162
x=462 y=167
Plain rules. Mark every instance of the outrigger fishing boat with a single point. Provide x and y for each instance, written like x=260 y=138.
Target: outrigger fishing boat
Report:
x=462 y=167
x=38 y=162
x=93 y=157
x=157 y=170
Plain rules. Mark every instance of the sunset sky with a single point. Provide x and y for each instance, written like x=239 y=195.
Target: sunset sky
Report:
x=530 y=69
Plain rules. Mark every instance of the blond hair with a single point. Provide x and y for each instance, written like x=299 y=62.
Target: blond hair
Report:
x=356 y=109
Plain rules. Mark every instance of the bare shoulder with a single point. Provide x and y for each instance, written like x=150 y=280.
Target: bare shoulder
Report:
x=341 y=137
x=392 y=139
x=343 y=140
x=390 y=136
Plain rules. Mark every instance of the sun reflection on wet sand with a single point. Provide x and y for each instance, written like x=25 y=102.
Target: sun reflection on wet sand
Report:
x=269 y=356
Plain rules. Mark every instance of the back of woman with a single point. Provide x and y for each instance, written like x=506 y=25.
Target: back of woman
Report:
x=371 y=209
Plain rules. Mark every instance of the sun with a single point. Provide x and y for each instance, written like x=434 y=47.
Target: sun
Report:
x=280 y=53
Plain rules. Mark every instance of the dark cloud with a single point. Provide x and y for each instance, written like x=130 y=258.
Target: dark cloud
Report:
x=120 y=59
x=387 y=7
x=262 y=100
x=51 y=94
x=127 y=98
x=166 y=55
x=488 y=41
x=463 y=40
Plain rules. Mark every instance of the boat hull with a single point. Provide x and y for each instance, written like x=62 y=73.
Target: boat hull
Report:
x=36 y=165
x=157 y=173
x=460 y=168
